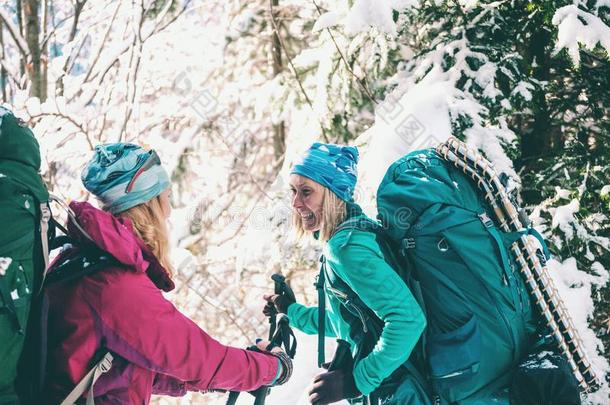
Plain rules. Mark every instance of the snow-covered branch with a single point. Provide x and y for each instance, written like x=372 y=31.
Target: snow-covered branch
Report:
x=578 y=27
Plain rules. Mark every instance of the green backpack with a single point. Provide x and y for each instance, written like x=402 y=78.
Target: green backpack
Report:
x=23 y=200
x=437 y=234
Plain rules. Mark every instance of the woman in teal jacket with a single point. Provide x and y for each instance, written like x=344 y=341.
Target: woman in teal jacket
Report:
x=364 y=296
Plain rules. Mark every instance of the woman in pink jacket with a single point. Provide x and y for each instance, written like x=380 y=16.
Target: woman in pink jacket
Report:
x=121 y=309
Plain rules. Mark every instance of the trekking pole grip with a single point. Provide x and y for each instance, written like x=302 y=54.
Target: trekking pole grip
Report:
x=277 y=289
x=342 y=357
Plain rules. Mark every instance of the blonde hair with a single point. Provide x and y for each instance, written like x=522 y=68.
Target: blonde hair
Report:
x=149 y=225
x=334 y=212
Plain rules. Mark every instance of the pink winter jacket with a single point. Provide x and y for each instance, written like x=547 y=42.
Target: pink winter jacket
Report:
x=157 y=349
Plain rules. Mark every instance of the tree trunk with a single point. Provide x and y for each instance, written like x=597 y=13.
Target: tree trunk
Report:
x=78 y=9
x=540 y=137
x=2 y=69
x=19 y=8
x=32 y=37
x=45 y=49
x=279 y=130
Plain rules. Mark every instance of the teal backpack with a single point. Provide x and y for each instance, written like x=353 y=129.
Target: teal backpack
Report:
x=435 y=231
x=480 y=319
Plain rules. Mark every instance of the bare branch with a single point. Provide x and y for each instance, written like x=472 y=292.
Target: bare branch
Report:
x=100 y=74
x=11 y=74
x=134 y=67
x=174 y=18
x=293 y=68
x=161 y=16
x=103 y=43
x=14 y=31
x=71 y=121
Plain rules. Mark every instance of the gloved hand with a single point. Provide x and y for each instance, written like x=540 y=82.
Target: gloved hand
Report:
x=276 y=303
x=333 y=386
x=285 y=362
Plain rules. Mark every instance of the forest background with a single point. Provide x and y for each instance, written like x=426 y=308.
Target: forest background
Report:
x=230 y=92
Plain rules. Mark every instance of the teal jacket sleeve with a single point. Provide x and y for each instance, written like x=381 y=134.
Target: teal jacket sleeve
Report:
x=305 y=319
x=356 y=258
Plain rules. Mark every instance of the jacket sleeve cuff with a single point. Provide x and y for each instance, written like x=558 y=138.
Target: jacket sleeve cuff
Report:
x=278 y=374
x=293 y=313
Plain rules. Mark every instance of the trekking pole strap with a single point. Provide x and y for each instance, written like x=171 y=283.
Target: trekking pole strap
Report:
x=284 y=336
x=88 y=381
x=71 y=216
x=321 y=312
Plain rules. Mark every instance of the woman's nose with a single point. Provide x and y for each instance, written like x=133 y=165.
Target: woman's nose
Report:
x=296 y=201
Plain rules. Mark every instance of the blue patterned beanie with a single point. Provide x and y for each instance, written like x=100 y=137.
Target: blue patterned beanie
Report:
x=123 y=175
x=333 y=166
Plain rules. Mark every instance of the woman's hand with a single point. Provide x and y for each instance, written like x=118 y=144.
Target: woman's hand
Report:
x=276 y=303
x=332 y=386
x=285 y=362
x=263 y=346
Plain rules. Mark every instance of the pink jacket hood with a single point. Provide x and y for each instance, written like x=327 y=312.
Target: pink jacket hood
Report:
x=115 y=235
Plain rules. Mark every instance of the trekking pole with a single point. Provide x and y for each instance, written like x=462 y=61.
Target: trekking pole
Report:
x=278 y=280
x=341 y=357
x=281 y=327
x=279 y=334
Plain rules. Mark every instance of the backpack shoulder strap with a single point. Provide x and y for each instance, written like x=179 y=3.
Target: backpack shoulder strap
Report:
x=79 y=266
x=88 y=381
x=45 y=217
x=359 y=223
x=321 y=310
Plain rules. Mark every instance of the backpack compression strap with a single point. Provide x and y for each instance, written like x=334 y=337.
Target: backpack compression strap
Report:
x=88 y=381
x=45 y=217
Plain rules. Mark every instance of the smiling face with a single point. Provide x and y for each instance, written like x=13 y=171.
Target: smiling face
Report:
x=307 y=201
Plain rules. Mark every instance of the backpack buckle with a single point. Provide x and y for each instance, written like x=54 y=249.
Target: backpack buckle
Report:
x=486 y=220
x=407 y=243
x=106 y=363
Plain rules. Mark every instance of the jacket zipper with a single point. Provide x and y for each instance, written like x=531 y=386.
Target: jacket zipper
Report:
x=360 y=315
x=348 y=303
x=340 y=294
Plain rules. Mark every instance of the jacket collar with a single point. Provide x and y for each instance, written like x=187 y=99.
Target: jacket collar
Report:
x=115 y=235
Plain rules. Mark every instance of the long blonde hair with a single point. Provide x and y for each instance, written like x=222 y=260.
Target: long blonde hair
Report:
x=149 y=225
x=334 y=212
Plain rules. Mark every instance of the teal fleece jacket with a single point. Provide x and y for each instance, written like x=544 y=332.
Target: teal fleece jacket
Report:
x=356 y=258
